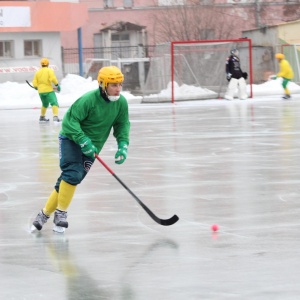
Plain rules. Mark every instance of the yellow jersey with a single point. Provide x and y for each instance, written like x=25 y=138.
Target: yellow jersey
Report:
x=286 y=70
x=43 y=80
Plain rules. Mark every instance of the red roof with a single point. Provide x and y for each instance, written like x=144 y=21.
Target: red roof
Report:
x=50 y=16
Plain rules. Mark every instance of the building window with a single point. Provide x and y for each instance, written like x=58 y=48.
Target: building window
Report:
x=6 y=49
x=33 y=48
x=207 y=34
x=120 y=37
x=170 y=2
x=108 y=3
x=120 y=43
x=128 y=3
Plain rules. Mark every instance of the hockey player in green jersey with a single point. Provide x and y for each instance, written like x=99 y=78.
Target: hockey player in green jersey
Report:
x=85 y=128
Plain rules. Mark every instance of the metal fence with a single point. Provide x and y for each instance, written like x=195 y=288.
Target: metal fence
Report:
x=132 y=60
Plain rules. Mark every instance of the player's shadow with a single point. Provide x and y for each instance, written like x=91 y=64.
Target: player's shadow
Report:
x=153 y=250
x=79 y=283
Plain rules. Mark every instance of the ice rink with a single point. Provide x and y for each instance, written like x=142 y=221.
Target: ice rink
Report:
x=236 y=164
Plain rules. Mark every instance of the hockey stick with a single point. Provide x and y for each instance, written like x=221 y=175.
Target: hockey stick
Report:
x=166 y=222
x=30 y=84
x=55 y=89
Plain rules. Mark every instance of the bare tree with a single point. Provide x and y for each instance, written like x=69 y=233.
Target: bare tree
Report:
x=195 y=22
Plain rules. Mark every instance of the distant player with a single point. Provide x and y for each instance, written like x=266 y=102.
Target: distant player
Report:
x=286 y=72
x=235 y=76
x=42 y=81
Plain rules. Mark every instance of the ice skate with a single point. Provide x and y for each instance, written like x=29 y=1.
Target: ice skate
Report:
x=60 y=221
x=39 y=221
x=286 y=97
x=227 y=97
x=56 y=119
x=43 y=119
x=244 y=97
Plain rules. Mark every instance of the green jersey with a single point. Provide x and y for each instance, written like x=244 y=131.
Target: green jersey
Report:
x=93 y=117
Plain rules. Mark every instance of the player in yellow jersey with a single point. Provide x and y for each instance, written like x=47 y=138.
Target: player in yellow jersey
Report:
x=42 y=81
x=286 y=72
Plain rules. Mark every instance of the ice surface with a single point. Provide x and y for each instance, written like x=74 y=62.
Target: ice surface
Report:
x=235 y=164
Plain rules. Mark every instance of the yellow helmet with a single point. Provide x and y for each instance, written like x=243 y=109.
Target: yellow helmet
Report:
x=279 y=56
x=108 y=75
x=44 y=62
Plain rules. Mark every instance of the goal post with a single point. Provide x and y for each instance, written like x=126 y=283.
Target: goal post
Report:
x=188 y=70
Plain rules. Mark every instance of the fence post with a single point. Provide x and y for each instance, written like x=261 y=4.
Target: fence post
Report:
x=79 y=37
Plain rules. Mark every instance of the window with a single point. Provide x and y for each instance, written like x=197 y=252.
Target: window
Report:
x=170 y=2
x=120 y=37
x=207 y=34
x=33 y=48
x=108 y=3
x=128 y=3
x=6 y=49
x=120 y=43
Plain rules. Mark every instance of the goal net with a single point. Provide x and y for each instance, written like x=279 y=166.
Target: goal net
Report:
x=194 y=70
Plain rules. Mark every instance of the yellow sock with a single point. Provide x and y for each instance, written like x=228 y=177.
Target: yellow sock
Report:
x=51 y=203
x=43 y=111
x=55 y=110
x=65 y=195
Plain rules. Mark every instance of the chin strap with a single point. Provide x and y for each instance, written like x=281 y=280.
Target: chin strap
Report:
x=103 y=94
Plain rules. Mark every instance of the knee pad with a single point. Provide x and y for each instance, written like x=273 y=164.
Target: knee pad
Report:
x=72 y=177
x=73 y=173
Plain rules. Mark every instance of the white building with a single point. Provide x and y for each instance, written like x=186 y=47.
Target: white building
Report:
x=30 y=31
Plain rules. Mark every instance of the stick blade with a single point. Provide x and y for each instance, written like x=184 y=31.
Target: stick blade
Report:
x=170 y=221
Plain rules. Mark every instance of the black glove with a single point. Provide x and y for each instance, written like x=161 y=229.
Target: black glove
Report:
x=228 y=76
x=245 y=75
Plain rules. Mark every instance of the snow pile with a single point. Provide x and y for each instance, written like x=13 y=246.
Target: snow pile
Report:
x=21 y=95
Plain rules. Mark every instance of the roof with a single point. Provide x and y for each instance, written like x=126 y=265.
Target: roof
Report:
x=123 y=26
x=274 y=26
x=49 y=16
